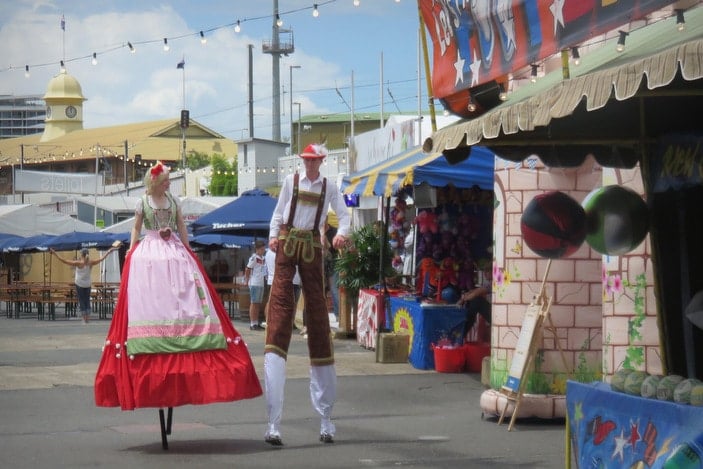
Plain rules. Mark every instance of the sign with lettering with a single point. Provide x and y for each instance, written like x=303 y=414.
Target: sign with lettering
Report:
x=678 y=163
x=531 y=324
x=66 y=183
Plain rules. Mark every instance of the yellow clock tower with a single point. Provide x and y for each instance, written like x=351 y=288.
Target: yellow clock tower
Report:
x=64 y=106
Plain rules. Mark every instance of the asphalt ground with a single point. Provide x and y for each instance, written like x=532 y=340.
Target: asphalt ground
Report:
x=387 y=415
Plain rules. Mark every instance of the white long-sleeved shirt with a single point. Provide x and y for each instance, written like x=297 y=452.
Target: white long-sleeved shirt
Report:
x=304 y=218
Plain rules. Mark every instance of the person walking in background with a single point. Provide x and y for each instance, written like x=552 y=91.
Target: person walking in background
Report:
x=82 y=278
x=255 y=277
x=170 y=342
x=295 y=235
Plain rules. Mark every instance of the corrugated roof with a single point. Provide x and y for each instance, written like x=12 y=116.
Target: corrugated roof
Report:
x=154 y=140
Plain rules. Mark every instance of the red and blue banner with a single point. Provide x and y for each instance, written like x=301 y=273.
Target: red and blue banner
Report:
x=615 y=430
x=479 y=42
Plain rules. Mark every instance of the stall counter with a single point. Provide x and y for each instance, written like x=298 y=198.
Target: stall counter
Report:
x=427 y=324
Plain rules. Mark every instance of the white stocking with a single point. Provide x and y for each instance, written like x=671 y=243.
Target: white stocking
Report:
x=275 y=383
x=323 y=393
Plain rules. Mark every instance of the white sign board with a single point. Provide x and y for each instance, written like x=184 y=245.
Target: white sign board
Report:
x=530 y=323
x=66 y=183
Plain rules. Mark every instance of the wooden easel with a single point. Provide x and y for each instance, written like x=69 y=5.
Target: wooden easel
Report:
x=525 y=349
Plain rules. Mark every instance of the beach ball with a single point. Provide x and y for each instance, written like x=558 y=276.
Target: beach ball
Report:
x=617 y=381
x=666 y=387
x=553 y=225
x=617 y=219
x=450 y=295
x=649 y=386
x=697 y=395
x=682 y=391
x=633 y=382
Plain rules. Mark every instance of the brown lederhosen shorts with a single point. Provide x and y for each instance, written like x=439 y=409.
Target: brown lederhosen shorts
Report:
x=301 y=248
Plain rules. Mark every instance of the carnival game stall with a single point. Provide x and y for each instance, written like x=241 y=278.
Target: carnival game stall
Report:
x=439 y=227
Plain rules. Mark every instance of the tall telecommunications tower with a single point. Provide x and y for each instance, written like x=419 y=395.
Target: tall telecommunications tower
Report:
x=277 y=46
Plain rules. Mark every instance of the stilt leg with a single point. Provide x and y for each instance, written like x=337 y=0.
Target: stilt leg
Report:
x=169 y=420
x=162 y=421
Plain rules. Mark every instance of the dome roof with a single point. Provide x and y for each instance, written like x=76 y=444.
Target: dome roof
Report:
x=64 y=85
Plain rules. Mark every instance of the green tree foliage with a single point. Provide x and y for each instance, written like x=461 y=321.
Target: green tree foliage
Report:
x=196 y=160
x=224 y=176
x=358 y=265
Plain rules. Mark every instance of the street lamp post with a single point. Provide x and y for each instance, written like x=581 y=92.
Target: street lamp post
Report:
x=291 y=130
x=291 y=67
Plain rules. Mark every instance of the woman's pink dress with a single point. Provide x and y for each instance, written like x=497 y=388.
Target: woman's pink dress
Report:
x=170 y=342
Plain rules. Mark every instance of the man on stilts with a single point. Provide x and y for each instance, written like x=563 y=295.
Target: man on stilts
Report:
x=295 y=236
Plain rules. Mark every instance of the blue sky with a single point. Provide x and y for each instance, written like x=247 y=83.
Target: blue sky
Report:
x=343 y=41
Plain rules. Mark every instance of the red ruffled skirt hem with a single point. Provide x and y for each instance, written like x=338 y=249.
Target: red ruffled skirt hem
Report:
x=171 y=380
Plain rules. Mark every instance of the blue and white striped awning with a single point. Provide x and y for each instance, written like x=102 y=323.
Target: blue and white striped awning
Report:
x=414 y=167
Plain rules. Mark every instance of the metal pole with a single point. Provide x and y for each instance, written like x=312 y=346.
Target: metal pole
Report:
x=95 y=199
x=126 y=157
x=380 y=92
x=298 y=140
x=21 y=166
x=291 y=67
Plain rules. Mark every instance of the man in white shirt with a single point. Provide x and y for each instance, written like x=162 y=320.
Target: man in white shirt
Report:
x=295 y=236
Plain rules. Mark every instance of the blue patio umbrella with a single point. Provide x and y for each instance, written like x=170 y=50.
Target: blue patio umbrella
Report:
x=222 y=240
x=76 y=240
x=36 y=243
x=9 y=240
x=248 y=215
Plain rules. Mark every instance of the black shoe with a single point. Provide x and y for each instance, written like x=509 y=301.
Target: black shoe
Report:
x=326 y=438
x=274 y=440
x=256 y=327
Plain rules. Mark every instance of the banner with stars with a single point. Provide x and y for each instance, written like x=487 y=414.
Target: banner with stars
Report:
x=477 y=44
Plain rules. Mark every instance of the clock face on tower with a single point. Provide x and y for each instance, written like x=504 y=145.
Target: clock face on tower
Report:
x=71 y=112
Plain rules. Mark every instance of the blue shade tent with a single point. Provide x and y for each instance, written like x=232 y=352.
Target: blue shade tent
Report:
x=80 y=239
x=248 y=215
x=8 y=239
x=36 y=243
x=414 y=167
x=221 y=240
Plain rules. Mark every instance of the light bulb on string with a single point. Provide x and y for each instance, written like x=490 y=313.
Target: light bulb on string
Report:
x=621 y=41
x=680 y=20
x=357 y=3
x=203 y=39
x=502 y=95
x=237 y=27
x=26 y=71
x=279 y=21
x=315 y=11
x=94 y=60
x=166 y=46
x=575 y=55
x=131 y=47
x=62 y=66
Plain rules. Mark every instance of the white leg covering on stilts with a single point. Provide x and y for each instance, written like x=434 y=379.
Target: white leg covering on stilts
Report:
x=275 y=383
x=323 y=394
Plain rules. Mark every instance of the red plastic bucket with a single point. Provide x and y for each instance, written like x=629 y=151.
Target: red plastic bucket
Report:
x=474 y=353
x=449 y=360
